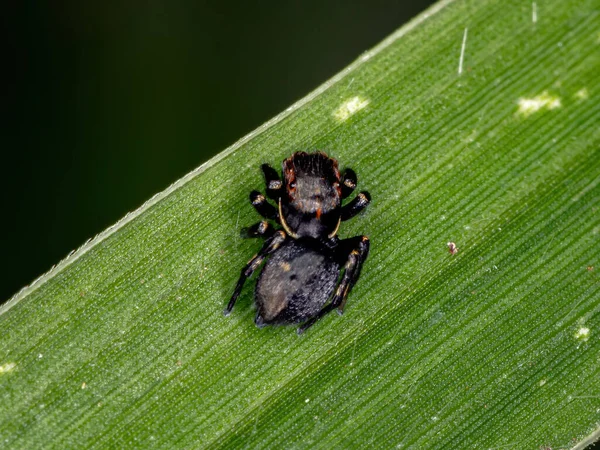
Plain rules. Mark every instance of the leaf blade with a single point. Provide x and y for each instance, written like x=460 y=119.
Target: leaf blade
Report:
x=446 y=157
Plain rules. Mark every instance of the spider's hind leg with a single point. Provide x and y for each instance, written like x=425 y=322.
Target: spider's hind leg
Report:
x=357 y=250
x=271 y=244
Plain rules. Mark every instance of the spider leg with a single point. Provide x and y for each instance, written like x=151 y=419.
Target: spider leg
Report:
x=270 y=245
x=261 y=229
x=358 y=254
x=358 y=250
x=349 y=181
x=262 y=206
x=359 y=203
x=273 y=182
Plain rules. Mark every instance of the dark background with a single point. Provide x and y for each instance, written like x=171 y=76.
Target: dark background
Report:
x=108 y=103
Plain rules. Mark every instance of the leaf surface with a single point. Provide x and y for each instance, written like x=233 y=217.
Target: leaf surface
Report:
x=477 y=124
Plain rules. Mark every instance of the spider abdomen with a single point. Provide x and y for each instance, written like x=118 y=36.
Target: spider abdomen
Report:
x=295 y=283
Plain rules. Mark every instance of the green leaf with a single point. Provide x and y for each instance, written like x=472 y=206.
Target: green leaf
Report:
x=477 y=123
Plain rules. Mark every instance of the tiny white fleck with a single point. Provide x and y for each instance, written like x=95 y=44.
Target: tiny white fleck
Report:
x=8 y=367
x=40 y=356
x=307 y=400
x=462 y=52
x=435 y=418
x=583 y=334
x=542 y=382
x=534 y=12
x=582 y=94
x=528 y=106
x=83 y=385
x=350 y=107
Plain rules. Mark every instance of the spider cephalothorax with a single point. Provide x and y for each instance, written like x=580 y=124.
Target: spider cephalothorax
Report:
x=313 y=197
x=300 y=281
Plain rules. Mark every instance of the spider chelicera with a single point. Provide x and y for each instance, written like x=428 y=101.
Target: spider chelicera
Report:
x=300 y=281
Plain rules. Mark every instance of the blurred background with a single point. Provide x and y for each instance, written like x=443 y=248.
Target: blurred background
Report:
x=108 y=103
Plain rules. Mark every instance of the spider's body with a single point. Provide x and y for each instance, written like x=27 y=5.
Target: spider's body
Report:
x=306 y=256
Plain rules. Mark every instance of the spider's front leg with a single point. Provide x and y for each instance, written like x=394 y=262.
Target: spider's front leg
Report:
x=273 y=182
x=360 y=202
x=271 y=244
x=349 y=181
x=262 y=206
x=357 y=250
x=261 y=229
x=274 y=192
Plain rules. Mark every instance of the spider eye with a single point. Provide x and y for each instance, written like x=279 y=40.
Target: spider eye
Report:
x=293 y=185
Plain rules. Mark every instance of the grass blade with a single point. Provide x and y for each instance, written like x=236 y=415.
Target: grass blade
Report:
x=475 y=124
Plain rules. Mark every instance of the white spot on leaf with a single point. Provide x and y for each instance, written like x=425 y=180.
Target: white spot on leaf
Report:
x=528 y=106
x=8 y=367
x=583 y=334
x=350 y=107
x=582 y=94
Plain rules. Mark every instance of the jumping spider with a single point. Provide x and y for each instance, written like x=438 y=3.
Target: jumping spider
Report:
x=305 y=257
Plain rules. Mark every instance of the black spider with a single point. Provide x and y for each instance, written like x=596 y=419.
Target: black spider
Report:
x=306 y=256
